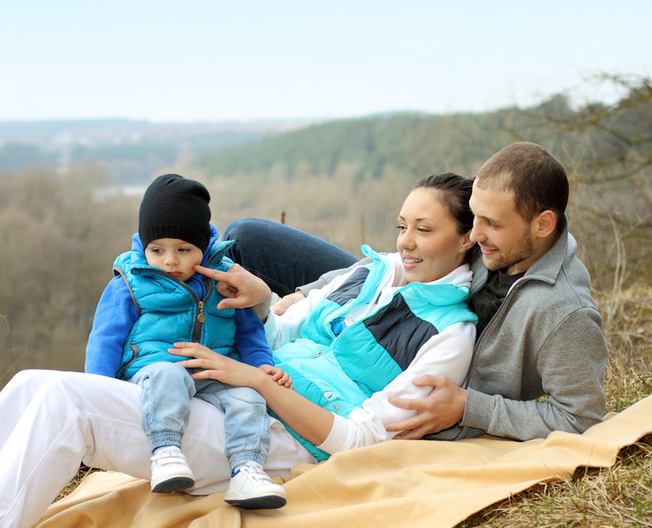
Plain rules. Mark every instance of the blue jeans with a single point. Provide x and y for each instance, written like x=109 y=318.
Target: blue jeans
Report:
x=167 y=390
x=282 y=256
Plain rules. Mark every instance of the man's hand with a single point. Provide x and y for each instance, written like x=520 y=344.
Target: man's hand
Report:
x=278 y=375
x=443 y=408
x=280 y=306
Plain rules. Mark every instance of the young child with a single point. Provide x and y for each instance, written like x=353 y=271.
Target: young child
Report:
x=156 y=299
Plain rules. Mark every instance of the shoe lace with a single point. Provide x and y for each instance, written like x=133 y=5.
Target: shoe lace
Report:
x=254 y=472
x=168 y=457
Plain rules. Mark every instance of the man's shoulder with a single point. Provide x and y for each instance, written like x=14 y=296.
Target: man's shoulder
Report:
x=571 y=284
x=573 y=281
x=555 y=286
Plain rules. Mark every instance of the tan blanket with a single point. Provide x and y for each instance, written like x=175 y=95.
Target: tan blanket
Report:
x=394 y=484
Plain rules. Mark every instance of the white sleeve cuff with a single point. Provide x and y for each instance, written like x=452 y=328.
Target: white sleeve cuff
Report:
x=337 y=439
x=271 y=329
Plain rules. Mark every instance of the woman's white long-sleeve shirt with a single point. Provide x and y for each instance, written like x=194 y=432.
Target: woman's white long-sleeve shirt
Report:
x=448 y=353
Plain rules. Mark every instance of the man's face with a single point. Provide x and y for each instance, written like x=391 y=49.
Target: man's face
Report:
x=506 y=240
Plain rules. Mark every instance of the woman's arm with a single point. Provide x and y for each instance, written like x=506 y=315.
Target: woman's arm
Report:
x=329 y=276
x=448 y=354
x=281 y=329
x=309 y=420
x=242 y=289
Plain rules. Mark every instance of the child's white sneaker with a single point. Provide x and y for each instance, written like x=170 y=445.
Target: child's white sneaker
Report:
x=252 y=489
x=170 y=472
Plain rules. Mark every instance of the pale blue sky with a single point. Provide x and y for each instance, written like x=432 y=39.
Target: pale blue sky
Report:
x=241 y=60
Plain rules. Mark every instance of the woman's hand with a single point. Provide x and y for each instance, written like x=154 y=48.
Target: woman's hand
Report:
x=241 y=289
x=278 y=375
x=306 y=418
x=216 y=366
x=284 y=303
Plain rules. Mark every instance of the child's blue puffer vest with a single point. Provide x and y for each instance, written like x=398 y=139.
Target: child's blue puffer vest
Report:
x=340 y=374
x=171 y=311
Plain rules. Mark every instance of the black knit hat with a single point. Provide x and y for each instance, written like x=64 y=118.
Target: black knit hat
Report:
x=174 y=207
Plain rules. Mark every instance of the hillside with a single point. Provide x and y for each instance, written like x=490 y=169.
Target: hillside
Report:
x=415 y=144
x=343 y=181
x=130 y=151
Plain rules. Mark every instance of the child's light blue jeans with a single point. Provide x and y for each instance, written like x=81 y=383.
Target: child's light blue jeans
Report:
x=167 y=390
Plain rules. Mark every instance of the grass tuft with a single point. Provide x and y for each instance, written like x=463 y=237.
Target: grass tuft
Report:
x=83 y=472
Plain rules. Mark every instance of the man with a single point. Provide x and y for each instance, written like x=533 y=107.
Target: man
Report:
x=540 y=355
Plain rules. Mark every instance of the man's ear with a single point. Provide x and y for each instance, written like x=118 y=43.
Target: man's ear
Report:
x=546 y=224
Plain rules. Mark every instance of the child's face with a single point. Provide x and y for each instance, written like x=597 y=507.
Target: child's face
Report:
x=175 y=256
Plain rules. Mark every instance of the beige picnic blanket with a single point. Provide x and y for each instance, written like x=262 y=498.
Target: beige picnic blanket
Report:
x=393 y=484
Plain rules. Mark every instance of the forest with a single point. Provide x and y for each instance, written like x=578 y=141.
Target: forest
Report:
x=343 y=181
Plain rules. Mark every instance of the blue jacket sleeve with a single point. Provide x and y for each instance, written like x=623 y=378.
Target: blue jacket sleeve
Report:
x=115 y=315
x=250 y=339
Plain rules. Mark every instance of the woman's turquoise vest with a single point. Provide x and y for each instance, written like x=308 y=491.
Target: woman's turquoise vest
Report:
x=171 y=311
x=339 y=374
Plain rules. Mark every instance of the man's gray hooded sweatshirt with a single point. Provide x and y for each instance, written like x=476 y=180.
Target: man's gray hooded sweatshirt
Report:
x=545 y=339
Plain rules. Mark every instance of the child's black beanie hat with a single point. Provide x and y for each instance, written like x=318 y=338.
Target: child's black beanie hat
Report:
x=174 y=207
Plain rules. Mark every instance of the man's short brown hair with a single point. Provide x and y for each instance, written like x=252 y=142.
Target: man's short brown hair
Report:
x=538 y=180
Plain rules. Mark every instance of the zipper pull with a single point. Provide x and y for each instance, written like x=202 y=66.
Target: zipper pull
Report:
x=201 y=317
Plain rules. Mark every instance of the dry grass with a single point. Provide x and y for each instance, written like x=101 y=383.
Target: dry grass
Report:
x=83 y=472
x=628 y=330
x=615 y=497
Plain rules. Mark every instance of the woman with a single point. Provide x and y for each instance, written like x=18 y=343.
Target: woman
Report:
x=54 y=420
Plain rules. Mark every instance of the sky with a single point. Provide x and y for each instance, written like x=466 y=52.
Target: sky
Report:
x=213 y=60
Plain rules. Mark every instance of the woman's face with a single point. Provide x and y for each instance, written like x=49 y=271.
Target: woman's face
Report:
x=428 y=241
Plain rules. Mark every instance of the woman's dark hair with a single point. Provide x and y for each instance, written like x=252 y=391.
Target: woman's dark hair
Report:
x=455 y=191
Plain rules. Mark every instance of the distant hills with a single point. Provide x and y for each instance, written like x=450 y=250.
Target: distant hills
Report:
x=413 y=144
x=407 y=145
x=130 y=149
x=410 y=143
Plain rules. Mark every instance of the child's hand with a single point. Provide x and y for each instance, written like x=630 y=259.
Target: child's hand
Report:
x=278 y=375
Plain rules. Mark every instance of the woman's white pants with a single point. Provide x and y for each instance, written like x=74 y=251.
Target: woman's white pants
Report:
x=50 y=421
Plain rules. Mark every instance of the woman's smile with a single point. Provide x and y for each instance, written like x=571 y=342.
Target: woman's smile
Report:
x=410 y=262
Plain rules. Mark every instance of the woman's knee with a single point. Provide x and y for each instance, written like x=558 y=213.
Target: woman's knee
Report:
x=246 y=228
x=31 y=377
x=29 y=382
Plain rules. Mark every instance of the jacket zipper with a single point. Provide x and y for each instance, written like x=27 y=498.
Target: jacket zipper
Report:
x=200 y=317
x=516 y=286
